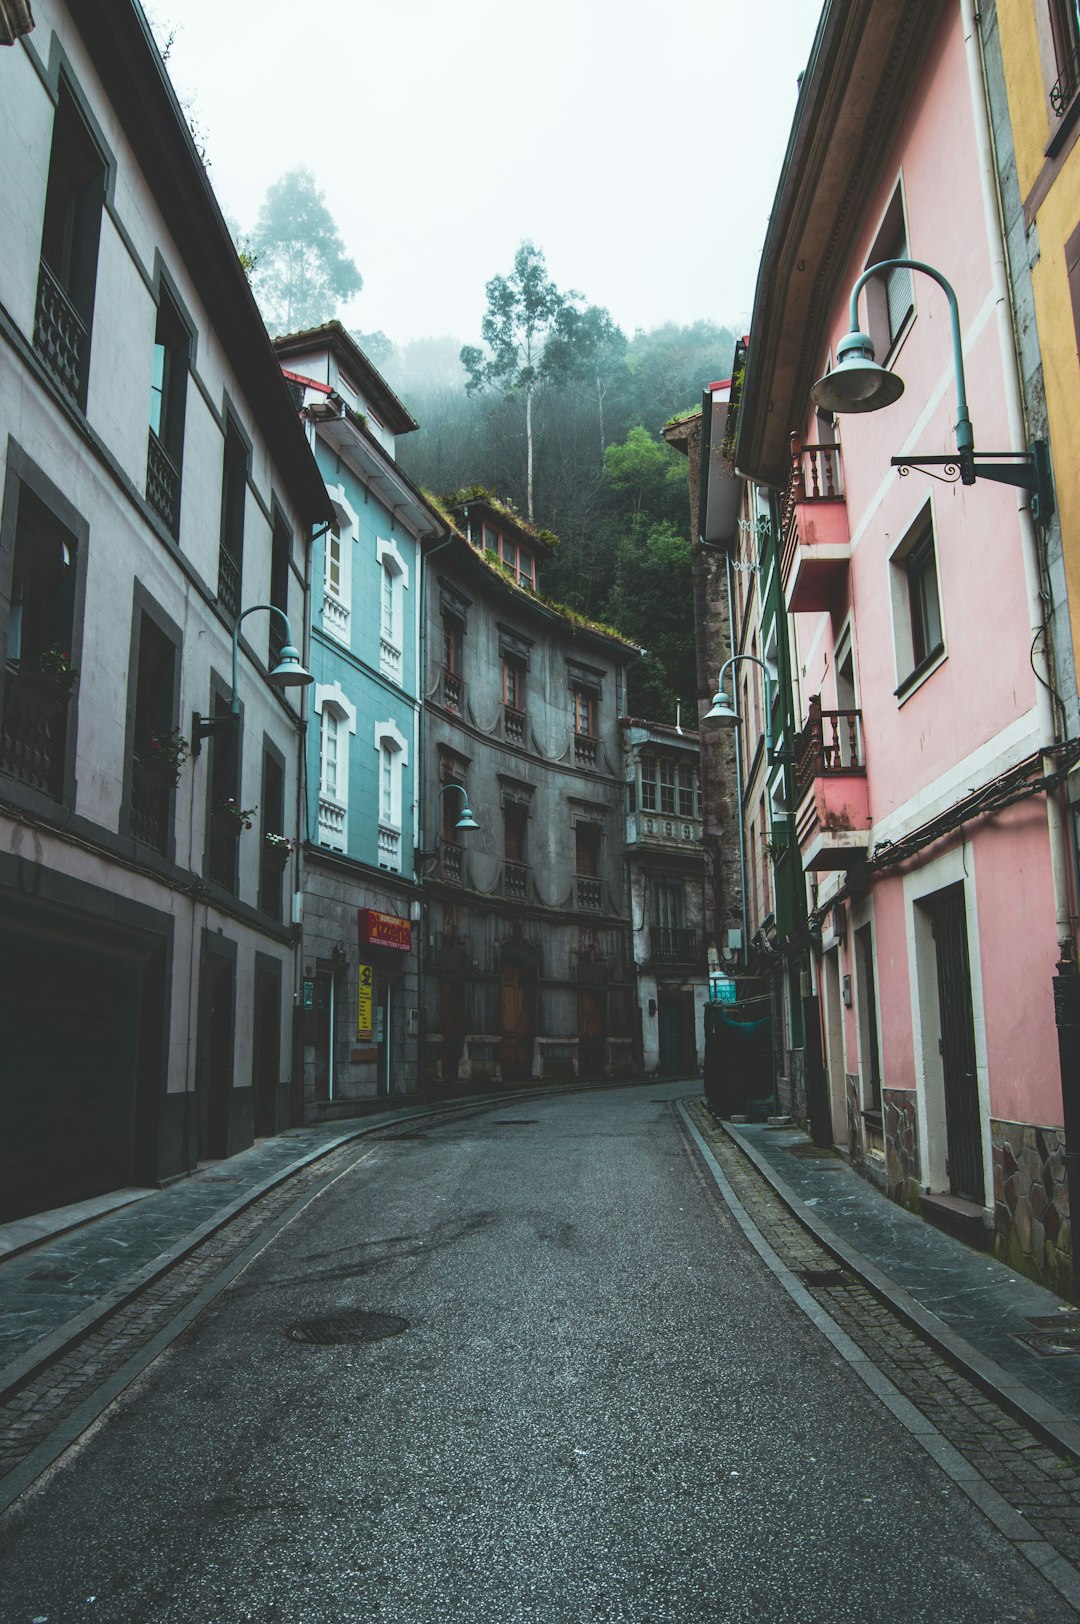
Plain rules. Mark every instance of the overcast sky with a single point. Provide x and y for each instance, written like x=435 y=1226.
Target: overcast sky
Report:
x=638 y=145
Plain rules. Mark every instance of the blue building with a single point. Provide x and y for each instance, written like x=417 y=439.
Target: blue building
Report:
x=360 y=902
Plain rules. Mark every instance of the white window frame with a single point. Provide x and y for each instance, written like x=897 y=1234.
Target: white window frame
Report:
x=909 y=676
x=895 y=287
x=392 y=638
x=392 y=748
x=337 y=601
x=333 y=809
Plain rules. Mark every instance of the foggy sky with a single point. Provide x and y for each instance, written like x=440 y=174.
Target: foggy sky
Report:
x=638 y=145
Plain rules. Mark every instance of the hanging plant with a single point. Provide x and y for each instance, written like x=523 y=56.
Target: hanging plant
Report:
x=235 y=816
x=278 y=849
x=165 y=754
x=55 y=667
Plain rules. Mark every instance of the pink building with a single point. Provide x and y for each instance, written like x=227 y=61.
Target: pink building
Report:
x=934 y=854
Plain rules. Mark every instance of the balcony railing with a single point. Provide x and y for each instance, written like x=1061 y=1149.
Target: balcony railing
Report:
x=585 y=750
x=335 y=617
x=1061 y=96
x=515 y=878
x=830 y=745
x=149 y=808
x=60 y=334
x=224 y=848
x=587 y=891
x=816 y=476
x=389 y=660
x=389 y=848
x=673 y=944
x=451 y=861
x=162 y=483
x=228 y=582
x=33 y=734
x=331 y=824
x=452 y=691
x=513 y=725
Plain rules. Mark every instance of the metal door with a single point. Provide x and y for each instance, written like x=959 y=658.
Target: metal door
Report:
x=515 y=1056
x=592 y=1030
x=963 y=1120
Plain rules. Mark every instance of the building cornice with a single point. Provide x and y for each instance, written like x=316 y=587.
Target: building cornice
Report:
x=863 y=68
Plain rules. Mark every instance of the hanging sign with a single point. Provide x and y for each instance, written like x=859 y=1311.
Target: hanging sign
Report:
x=722 y=990
x=365 y=991
x=384 y=930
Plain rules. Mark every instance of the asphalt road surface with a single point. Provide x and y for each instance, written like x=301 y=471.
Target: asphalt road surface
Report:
x=598 y=1406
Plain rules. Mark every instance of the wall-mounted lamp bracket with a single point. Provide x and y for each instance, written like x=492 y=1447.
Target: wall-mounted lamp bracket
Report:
x=202 y=727
x=1028 y=471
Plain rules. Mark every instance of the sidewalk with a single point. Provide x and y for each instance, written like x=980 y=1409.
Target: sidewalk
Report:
x=60 y=1272
x=973 y=1307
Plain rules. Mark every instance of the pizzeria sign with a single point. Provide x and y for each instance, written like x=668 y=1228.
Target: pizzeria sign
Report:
x=384 y=930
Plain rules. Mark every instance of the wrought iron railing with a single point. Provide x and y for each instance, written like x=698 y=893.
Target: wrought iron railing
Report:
x=228 y=582
x=1061 y=97
x=585 y=750
x=224 y=846
x=676 y=944
x=149 y=806
x=816 y=476
x=515 y=877
x=33 y=734
x=587 y=891
x=831 y=744
x=60 y=334
x=162 y=483
x=513 y=725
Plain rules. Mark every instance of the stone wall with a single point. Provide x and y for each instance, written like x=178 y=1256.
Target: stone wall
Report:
x=901 y=1147
x=1032 y=1229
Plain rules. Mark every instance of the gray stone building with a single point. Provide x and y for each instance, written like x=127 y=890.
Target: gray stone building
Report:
x=527 y=957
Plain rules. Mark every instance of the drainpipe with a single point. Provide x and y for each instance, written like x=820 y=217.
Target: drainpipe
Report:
x=738 y=787
x=1066 y=980
x=420 y=781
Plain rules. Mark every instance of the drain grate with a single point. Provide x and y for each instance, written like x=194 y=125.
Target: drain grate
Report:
x=351 y=1326
x=59 y=1276
x=823 y=1277
x=514 y=1122
x=1052 y=1344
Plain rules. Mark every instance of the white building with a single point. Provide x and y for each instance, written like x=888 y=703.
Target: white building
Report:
x=155 y=483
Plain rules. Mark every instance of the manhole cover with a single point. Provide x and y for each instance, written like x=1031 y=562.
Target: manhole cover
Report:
x=60 y=1276
x=1052 y=1344
x=351 y=1326
x=514 y=1122
x=823 y=1277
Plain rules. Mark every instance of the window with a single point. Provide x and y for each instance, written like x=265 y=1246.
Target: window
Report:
x=667 y=788
x=513 y=683
x=332 y=582
x=168 y=395
x=41 y=674
x=337 y=720
x=223 y=791
x=69 y=248
x=668 y=905
x=515 y=824
x=1065 y=27
x=687 y=798
x=393 y=754
x=584 y=713
x=1072 y=271
x=274 y=851
x=280 y=554
x=890 y=298
x=917 y=618
x=868 y=1023
x=328 y=756
x=154 y=744
x=233 y=501
x=648 y=784
x=453 y=662
x=587 y=886
x=394 y=580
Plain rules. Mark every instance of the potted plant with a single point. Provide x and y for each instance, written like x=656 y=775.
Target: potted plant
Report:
x=164 y=755
x=277 y=850
x=55 y=676
x=234 y=817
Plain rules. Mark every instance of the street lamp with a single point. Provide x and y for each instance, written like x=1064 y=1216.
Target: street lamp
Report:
x=724 y=714
x=289 y=672
x=465 y=820
x=858 y=384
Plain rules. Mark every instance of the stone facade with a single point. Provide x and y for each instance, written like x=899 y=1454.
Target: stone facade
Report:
x=901 y=1147
x=1032 y=1228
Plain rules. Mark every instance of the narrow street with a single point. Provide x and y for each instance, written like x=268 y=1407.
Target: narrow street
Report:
x=587 y=1399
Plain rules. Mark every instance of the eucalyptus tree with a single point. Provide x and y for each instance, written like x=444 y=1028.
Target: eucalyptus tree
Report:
x=301 y=273
x=523 y=317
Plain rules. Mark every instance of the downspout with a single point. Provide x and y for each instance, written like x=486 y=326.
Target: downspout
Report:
x=420 y=780
x=738 y=787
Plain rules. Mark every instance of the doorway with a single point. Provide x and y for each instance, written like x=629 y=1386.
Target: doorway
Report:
x=834 y=1046
x=214 y=1088
x=516 y=1044
x=959 y=1068
x=266 y=1055
x=675 y=1015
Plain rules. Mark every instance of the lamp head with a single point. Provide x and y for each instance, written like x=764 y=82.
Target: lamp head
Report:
x=289 y=672
x=466 y=820
x=856 y=383
x=723 y=713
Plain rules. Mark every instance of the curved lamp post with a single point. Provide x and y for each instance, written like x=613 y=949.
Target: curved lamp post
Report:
x=465 y=821
x=289 y=672
x=858 y=384
x=724 y=713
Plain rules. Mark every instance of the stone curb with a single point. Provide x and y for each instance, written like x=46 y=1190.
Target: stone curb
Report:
x=1046 y=1421
x=49 y=1348
x=1015 y=1528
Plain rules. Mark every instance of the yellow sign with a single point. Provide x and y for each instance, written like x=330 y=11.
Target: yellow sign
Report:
x=365 y=987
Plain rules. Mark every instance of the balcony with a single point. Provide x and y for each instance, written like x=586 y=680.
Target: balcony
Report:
x=515 y=880
x=390 y=660
x=331 y=824
x=817 y=543
x=669 y=944
x=451 y=862
x=33 y=732
x=832 y=806
x=585 y=750
x=60 y=335
x=513 y=725
x=389 y=848
x=335 y=618
x=587 y=892
x=151 y=794
x=162 y=484
x=224 y=851
x=452 y=692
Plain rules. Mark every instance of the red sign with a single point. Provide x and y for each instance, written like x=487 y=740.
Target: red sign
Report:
x=384 y=930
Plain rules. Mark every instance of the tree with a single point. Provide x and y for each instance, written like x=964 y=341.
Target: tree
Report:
x=646 y=475
x=523 y=313
x=587 y=343
x=652 y=603
x=302 y=272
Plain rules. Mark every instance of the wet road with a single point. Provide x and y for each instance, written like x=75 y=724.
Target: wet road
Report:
x=602 y=1408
